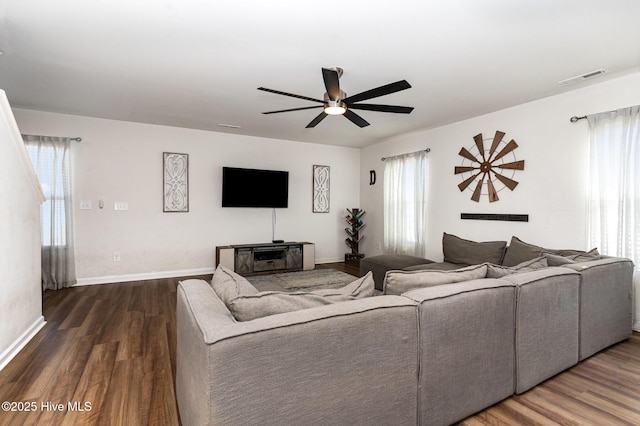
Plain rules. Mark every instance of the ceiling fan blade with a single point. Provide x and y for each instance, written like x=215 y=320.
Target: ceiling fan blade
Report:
x=477 y=192
x=480 y=144
x=316 y=120
x=293 y=109
x=496 y=141
x=383 y=108
x=466 y=154
x=509 y=183
x=379 y=91
x=493 y=194
x=461 y=169
x=515 y=165
x=507 y=149
x=465 y=183
x=355 y=118
x=278 y=92
x=331 y=83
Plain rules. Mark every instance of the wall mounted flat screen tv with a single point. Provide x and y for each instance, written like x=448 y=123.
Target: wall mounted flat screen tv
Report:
x=254 y=188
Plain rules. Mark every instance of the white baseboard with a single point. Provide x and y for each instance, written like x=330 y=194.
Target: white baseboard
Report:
x=331 y=260
x=21 y=342
x=110 y=279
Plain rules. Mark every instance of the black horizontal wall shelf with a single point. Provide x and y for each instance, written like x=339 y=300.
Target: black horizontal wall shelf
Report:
x=493 y=216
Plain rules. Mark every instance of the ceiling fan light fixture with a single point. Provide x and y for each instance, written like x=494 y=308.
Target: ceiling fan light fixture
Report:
x=335 y=108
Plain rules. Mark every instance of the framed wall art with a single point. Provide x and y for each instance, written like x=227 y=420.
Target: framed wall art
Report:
x=321 y=189
x=175 y=182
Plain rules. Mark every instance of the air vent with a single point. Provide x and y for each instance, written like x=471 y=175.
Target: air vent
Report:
x=579 y=78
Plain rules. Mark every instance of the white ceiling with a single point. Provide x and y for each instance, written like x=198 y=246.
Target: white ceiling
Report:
x=198 y=63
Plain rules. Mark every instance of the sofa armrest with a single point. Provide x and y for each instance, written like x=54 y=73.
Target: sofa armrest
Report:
x=606 y=302
x=547 y=324
x=353 y=362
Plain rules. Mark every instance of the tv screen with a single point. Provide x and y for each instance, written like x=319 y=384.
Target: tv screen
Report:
x=254 y=188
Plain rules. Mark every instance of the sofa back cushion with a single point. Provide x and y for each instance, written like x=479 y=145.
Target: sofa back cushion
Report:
x=564 y=257
x=499 y=271
x=467 y=252
x=247 y=307
x=399 y=282
x=228 y=285
x=519 y=251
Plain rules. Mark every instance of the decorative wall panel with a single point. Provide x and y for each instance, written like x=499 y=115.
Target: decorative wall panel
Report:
x=176 y=182
x=321 y=189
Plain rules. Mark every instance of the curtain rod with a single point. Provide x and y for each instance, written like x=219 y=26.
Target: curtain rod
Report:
x=77 y=139
x=575 y=118
x=409 y=153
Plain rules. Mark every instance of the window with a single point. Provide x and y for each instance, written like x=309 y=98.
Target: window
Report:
x=53 y=209
x=405 y=179
x=614 y=204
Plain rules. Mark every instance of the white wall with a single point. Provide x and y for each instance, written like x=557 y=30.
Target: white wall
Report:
x=122 y=161
x=20 y=286
x=552 y=188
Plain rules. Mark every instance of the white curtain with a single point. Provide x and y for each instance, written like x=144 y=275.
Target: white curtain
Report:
x=614 y=204
x=51 y=160
x=405 y=185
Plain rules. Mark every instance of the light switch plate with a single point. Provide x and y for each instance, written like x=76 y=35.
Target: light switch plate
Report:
x=85 y=205
x=121 y=205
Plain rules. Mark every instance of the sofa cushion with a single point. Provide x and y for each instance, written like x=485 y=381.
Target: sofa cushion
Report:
x=399 y=282
x=261 y=304
x=519 y=251
x=466 y=252
x=380 y=264
x=498 y=271
x=228 y=285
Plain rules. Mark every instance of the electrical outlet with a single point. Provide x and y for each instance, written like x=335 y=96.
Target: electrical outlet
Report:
x=85 y=205
x=121 y=205
x=116 y=256
x=378 y=246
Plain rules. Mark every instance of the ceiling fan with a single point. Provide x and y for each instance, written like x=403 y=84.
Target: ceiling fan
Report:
x=336 y=101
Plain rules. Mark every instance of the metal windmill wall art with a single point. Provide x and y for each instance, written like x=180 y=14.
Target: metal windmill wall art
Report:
x=487 y=167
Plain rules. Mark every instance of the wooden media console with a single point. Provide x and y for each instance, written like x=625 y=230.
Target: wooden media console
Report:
x=249 y=259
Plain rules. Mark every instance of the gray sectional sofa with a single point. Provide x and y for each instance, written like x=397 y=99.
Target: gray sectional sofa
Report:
x=446 y=345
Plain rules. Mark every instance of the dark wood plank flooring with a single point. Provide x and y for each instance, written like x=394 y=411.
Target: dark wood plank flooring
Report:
x=110 y=350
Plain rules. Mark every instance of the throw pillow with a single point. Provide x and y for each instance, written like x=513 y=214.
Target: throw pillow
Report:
x=466 y=252
x=497 y=271
x=262 y=304
x=228 y=285
x=398 y=282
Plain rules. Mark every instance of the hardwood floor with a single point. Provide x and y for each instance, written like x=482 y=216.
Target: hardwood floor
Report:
x=110 y=351
x=601 y=390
